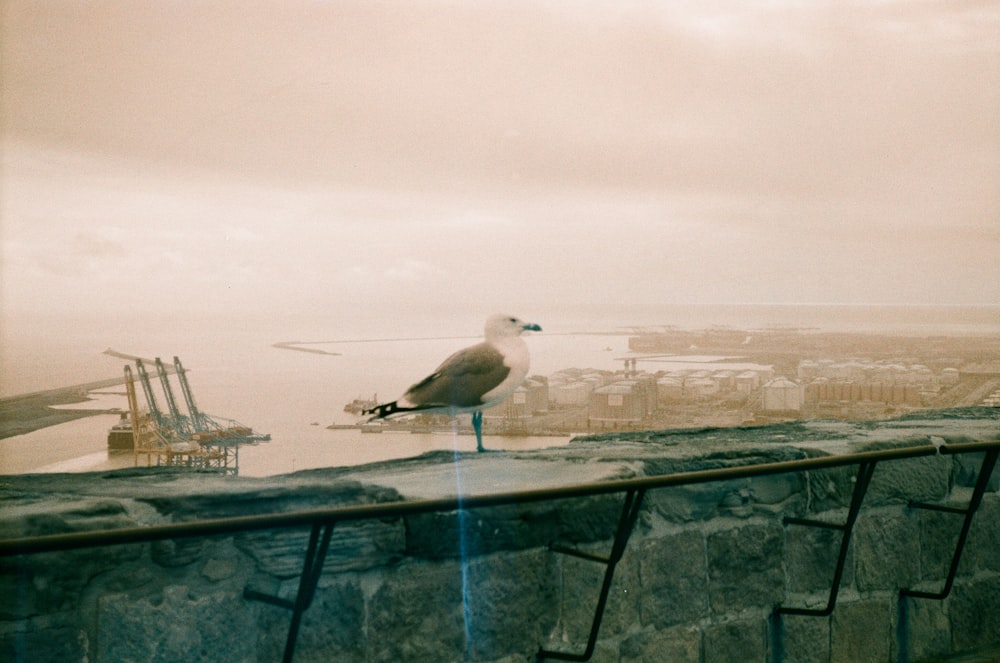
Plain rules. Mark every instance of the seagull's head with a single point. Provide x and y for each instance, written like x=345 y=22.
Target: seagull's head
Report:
x=502 y=324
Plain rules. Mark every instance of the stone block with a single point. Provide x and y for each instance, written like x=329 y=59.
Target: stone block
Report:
x=418 y=613
x=43 y=639
x=176 y=625
x=216 y=570
x=51 y=582
x=811 y=558
x=924 y=632
x=332 y=629
x=510 y=602
x=966 y=469
x=938 y=538
x=924 y=479
x=353 y=546
x=804 y=639
x=861 y=631
x=581 y=585
x=684 y=504
x=974 y=610
x=673 y=580
x=778 y=489
x=677 y=645
x=981 y=553
x=174 y=553
x=515 y=527
x=745 y=567
x=744 y=641
x=885 y=552
x=831 y=488
x=738 y=498
x=77 y=515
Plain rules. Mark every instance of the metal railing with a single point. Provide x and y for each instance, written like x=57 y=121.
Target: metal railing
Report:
x=322 y=521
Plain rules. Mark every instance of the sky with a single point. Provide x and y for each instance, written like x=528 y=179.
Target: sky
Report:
x=381 y=159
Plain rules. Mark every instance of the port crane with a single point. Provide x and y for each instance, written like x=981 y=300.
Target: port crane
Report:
x=195 y=440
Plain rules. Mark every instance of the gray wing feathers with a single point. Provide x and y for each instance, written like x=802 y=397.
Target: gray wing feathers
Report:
x=462 y=379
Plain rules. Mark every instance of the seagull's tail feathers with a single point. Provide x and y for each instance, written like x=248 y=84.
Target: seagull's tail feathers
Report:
x=386 y=410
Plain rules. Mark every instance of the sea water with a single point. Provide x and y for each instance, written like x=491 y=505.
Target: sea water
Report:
x=236 y=373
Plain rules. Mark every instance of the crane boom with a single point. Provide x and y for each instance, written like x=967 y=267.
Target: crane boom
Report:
x=169 y=395
x=196 y=417
x=133 y=405
x=147 y=388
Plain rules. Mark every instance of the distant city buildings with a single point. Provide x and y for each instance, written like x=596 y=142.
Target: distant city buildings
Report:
x=713 y=378
x=892 y=383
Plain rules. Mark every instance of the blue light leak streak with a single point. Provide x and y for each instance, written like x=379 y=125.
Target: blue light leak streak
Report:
x=462 y=542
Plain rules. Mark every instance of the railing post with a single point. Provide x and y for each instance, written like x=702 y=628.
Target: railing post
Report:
x=626 y=524
x=312 y=569
x=864 y=478
x=982 y=481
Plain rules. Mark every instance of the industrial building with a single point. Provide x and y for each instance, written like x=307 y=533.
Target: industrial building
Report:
x=623 y=404
x=781 y=395
x=529 y=400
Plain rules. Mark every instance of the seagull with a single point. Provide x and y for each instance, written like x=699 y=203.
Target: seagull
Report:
x=472 y=379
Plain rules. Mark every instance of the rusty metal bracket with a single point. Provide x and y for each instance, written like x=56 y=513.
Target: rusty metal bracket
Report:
x=312 y=569
x=982 y=481
x=626 y=524
x=864 y=478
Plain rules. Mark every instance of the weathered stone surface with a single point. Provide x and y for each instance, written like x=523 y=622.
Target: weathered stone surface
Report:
x=744 y=567
x=924 y=631
x=677 y=645
x=43 y=639
x=683 y=504
x=673 y=580
x=353 y=546
x=938 y=537
x=580 y=587
x=176 y=552
x=861 y=631
x=982 y=551
x=422 y=606
x=333 y=629
x=804 y=639
x=923 y=479
x=510 y=602
x=830 y=488
x=744 y=641
x=175 y=626
x=51 y=582
x=966 y=470
x=884 y=555
x=516 y=527
x=22 y=518
x=974 y=609
x=216 y=569
x=811 y=558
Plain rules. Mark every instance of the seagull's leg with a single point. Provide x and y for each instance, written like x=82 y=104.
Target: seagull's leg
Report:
x=477 y=425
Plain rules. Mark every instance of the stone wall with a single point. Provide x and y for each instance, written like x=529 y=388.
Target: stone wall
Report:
x=699 y=579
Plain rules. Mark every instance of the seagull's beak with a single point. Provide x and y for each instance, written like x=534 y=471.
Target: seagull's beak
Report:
x=531 y=326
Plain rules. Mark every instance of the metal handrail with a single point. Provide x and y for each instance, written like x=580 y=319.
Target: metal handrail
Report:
x=323 y=520
x=397 y=509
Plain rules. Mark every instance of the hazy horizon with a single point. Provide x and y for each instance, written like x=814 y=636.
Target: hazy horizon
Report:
x=393 y=163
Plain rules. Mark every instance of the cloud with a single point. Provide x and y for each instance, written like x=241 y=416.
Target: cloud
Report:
x=285 y=156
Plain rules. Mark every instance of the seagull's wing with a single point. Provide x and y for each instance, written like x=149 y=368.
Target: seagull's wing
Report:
x=462 y=379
